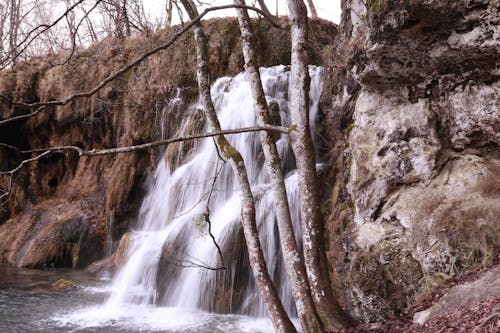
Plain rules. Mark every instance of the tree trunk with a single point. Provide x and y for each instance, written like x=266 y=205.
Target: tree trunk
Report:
x=277 y=313
x=169 y=10
x=15 y=9
x=330 y=312
x=312 y=9
x=264 y=8
x=125 y=19
x=294 y=266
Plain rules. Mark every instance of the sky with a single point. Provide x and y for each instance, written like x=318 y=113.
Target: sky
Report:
x=327 y=9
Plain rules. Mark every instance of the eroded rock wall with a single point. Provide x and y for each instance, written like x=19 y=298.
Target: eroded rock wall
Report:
x=415 y=120
x=68 y=211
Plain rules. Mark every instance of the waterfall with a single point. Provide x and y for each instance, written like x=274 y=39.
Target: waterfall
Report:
x=172 y=261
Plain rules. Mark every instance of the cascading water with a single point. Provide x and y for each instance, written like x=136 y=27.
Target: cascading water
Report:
x=172 y=260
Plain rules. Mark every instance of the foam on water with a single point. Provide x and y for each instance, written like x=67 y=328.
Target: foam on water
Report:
x=135 y=318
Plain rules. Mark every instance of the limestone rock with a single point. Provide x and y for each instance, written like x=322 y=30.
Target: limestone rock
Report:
x=417 y=114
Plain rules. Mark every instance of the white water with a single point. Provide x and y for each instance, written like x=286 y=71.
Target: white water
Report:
x=158 y=279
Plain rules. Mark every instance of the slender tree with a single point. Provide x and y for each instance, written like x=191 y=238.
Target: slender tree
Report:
x=275 y=308
x=169 y=11
x=263 y=6
x=14 y=26
x=329 y=310
x=294 y=266
x=312 y=8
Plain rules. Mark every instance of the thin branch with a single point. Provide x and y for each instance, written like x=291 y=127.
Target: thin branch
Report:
x=206 y=194
x=74 y=34
x=218 y=151
x=11 y=173
x=29 y=160
x=166 y=142
x=194 y=263
x=5 y=62
x=206 y=215
x=17 y=150
x=120 y=150
x=192 y=208
x=21 y=117
x=191 y=264
x=149 y=145
x=131 y=65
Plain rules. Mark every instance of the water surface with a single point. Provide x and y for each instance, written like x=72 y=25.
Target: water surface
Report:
x=28 y=304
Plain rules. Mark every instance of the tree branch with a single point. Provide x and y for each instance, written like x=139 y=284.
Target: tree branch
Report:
x=120 y=150
x=5 y=62
x=74 y=34
x=21 y=117
x=149 y=145
x=206 y=215
x=127 y=67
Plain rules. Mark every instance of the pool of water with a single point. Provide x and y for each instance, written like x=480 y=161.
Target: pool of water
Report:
x=28 y=304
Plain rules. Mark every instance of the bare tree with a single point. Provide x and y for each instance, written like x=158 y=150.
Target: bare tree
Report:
x=169 y=11
x=294 y=266
x=14 y=25
x=277 y=313
x=264 y=8
x=312 y=8
x=329 y=310
x=116 y=18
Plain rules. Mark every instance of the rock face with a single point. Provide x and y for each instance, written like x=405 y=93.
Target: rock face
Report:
x=416 y=119
x=69 y=211
x=56 y=233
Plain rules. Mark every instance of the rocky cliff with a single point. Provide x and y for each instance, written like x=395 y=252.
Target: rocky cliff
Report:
x=415 y=122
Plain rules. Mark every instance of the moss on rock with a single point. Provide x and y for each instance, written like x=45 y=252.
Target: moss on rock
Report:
x=63 y=284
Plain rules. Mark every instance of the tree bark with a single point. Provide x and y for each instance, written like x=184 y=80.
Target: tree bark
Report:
x=294 y=266
x=275 y=309
x=262 y=5
x=312 y=9
x=15 y=10
x=329 y=310
x=169 y=10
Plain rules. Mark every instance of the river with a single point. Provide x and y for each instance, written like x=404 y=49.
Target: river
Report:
x=29 y=304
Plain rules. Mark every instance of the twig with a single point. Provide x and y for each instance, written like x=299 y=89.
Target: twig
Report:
x=193 y=264
x=5 y=62
x=149 y=145
x=218 y=151
x=73 y=37
x=21 y=117
x=207 y=214
x=495 y=314
x=17 y=150
x=11 y=173
x=120 y=150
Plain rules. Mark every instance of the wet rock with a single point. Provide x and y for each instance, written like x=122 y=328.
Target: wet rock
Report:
x=63 y=284
x=63 y=236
